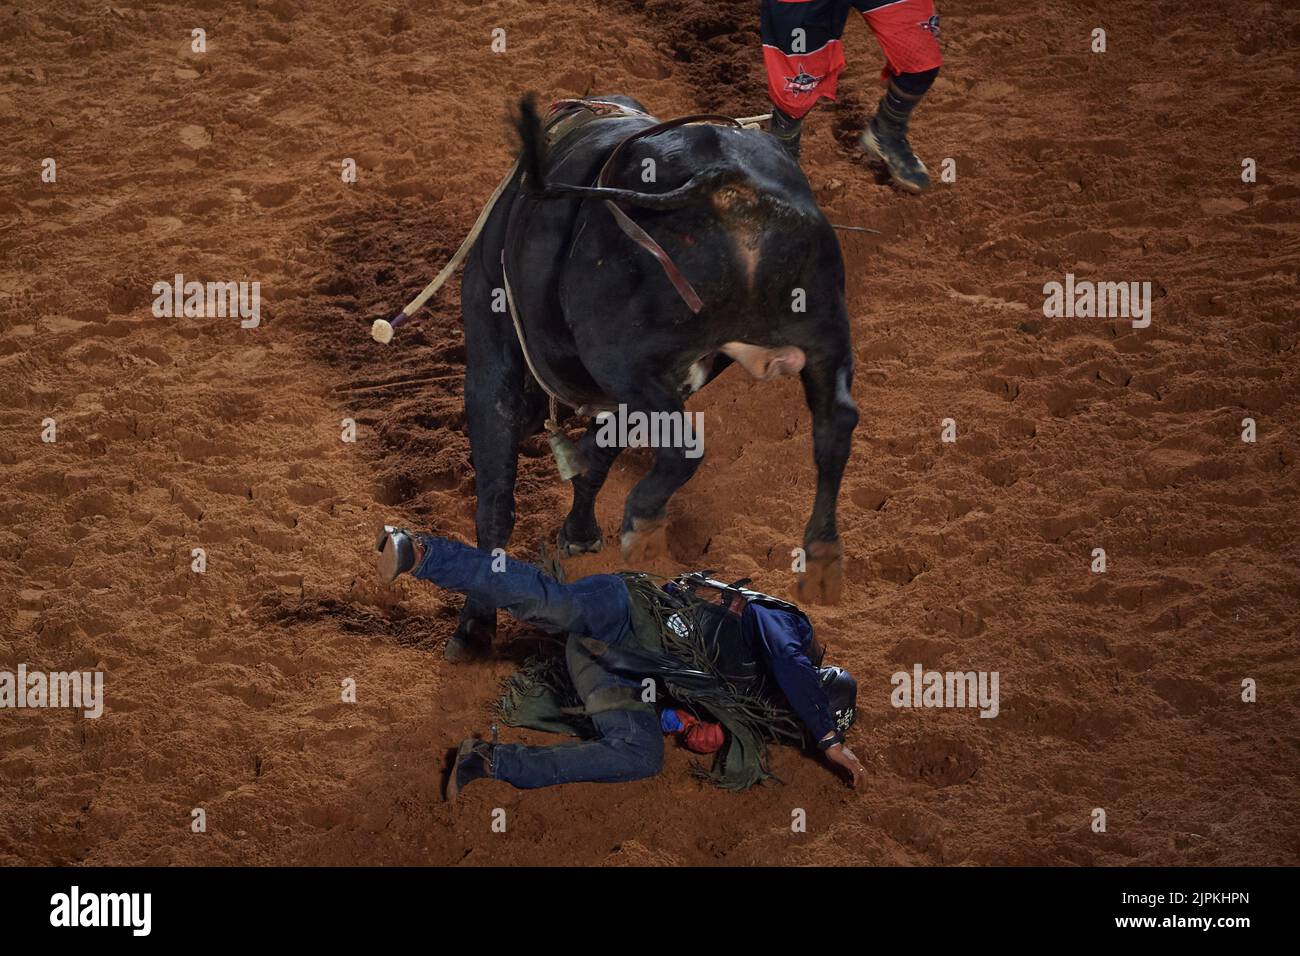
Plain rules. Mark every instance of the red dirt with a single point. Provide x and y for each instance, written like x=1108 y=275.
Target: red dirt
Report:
x=1119 y=691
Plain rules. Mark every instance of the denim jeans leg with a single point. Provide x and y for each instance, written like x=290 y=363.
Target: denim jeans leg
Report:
x=631 y=746
x=595 y=606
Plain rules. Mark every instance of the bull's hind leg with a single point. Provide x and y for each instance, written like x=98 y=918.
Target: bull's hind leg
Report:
x=500 y=410
x=644 y=516
x=581 y=532
x=499 y=415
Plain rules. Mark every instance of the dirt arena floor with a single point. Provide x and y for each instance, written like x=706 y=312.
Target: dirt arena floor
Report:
x=1120 y=691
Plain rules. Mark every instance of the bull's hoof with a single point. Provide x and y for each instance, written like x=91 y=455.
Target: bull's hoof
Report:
x=647 y=541
x=471 y=642
x=823 y=580
x=569 y=549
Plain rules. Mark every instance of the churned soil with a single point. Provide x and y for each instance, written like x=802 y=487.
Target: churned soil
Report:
x=1120 y=691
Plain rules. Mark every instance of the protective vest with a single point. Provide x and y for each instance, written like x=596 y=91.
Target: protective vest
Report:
x=719 y=611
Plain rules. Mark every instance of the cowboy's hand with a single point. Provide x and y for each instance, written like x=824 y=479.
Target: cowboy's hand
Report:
x=842 y=756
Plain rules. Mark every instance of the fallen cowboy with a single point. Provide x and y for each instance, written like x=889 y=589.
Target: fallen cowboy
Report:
x=620 y=292
x=733 y=670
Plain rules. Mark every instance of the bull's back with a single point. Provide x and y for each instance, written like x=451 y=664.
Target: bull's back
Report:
x=744 y=246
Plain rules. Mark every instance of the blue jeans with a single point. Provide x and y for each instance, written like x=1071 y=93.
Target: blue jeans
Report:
x=631 y=744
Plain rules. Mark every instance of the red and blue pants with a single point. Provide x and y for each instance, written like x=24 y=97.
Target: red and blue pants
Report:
x=804 y=54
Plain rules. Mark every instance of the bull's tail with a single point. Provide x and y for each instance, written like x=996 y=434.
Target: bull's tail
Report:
x=532 y=142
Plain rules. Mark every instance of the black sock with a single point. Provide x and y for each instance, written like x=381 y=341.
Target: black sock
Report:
x=787 y=129
x=915 y=83
x=783 y=125
x=903 y=93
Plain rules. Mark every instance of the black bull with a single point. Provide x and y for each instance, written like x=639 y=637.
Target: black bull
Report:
x=600 y=317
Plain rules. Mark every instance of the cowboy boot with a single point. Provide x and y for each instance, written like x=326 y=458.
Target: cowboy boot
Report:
x=399 y=552
x=787 y=130
x=885 y=138
x=473 y=761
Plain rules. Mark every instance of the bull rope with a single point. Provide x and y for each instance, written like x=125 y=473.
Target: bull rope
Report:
x=382 y=329
x=568 y=460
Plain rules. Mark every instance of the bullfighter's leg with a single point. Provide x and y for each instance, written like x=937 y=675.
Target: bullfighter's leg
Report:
x=581 y=532
x=827 y=381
